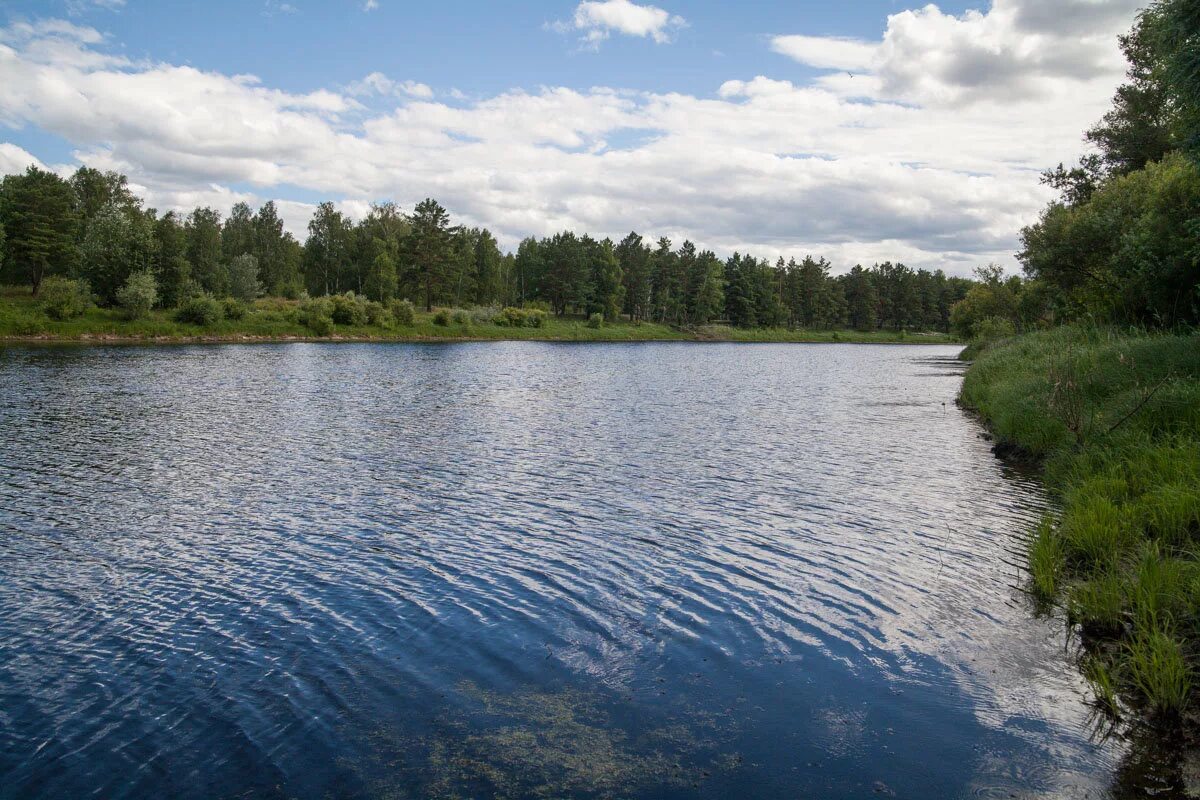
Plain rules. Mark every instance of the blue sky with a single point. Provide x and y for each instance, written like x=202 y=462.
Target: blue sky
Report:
x=739 y=126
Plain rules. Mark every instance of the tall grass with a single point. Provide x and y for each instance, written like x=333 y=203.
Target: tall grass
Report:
x=1114 y=417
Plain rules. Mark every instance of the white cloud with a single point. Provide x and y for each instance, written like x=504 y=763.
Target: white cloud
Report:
x=827 y=52
x=370 y=5
x=1017 y=50
x=598 y=19
x=14 y=160
x=77 y=7
x=832 y=167
x=379 y=84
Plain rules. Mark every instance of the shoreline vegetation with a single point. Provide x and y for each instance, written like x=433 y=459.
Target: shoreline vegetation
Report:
x=24 y=320
x=1113 y=419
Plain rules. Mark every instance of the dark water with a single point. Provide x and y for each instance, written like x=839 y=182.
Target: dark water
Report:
x=519 y=569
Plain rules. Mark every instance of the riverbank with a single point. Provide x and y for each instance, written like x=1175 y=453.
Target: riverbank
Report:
x=1114 y=420
x=22 y=320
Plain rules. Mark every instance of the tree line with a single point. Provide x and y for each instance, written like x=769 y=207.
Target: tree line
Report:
x=92 y=227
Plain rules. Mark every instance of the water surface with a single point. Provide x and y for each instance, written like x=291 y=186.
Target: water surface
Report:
x=519 y=569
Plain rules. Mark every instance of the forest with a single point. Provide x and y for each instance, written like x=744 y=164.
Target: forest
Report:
x=92 y=240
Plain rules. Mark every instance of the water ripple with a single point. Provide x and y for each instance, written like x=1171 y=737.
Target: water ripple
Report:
x=305 y=571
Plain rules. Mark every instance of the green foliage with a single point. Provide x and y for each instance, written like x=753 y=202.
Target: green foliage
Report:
x=243 y=278
x=37 y=210
x=378 y=315
x=139 y=294
x=441 y=317
x=403 y=312
x=460 y=317
x=596 y=320
x=204 y=310
x=63 y=298
x=348 y=309
x=317 y=315
x=118 y=243
x=234 y=309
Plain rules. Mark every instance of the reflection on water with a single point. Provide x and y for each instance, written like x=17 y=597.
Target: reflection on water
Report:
x=519 y=569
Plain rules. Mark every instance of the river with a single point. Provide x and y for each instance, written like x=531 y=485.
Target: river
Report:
x=662 y=570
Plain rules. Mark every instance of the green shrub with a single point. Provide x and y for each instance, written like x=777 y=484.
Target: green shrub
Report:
x=320 y=325
x=535 y=318
x=378 y=315
x=203 y=310
x=482 y=315
x=595 y=321
x=63 y=298
x=993 y=329
x=460 y=317
x=234 y=309
x=349 y=309
x=510 y=317
x=138 y=295
x=316 y=314
x=403 y=312
x=441 y=317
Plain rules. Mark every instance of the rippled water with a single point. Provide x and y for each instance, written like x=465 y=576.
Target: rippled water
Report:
x=518 y=569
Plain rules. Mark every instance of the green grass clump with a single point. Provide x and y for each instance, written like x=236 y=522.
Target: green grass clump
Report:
x=1099 y=604
x=1160 y=672
x=1045 y=561
x=1113 y=416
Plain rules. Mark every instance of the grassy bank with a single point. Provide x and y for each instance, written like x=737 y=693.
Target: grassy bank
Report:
x=1115 y=420
x=23 y=319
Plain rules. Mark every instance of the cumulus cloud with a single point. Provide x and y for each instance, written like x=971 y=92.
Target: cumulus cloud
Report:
x=1017 y=50
x=832 y=167
x=598 y=19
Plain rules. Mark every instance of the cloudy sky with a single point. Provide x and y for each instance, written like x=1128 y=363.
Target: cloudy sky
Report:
x=860 y=131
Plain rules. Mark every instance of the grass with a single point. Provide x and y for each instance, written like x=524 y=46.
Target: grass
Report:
x=1114 y=417
x=21 y=318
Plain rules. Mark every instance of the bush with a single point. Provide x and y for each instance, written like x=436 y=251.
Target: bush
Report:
x=535 y=318
x=482 y=315
x=202 y=310
x=317 y=315
x=139 y=294
x=378 y=315
x=234 y=308
x=460 y=317
x=510 y=318
x=403 y=312
x=595 y=320
x=63 y=298
x=349 y=309
x=993 y=329
x=442 y=317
